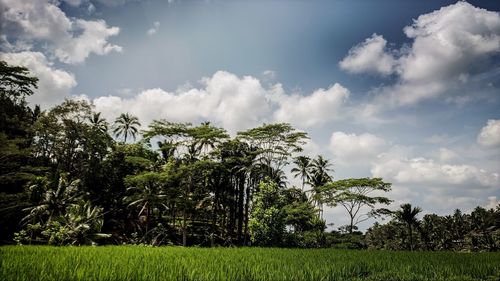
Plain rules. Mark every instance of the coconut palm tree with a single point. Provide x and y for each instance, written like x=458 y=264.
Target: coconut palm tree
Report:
x=408 y=215
x=84 y=223
x=52 y=202
x=320 y=168
x=98 y=123
x=146 y=195
x=302 y=169
x=126 y=124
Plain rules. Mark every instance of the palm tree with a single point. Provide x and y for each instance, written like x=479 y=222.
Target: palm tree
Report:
x=146 y=195
x=126 y=124
x=51 y=202
x=98 y=123
x=408 y=214
x=303 y=169
x=320 y=167
x=84 y=222
x=278 y=176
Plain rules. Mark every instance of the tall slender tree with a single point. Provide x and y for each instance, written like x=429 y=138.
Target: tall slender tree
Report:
x=320 y=169
x=125 y=125
x=97 y=122
x=302 y=169
x=408 y=215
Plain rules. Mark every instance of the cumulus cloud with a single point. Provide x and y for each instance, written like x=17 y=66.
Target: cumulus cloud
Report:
x=398 y=165
x=448 y=47
x=490 y=134
x=370 y=56
x=154 y=28
x=71 y=40
x=236 y=103
x=54 y=84
x=92 y=40
x=319 y=107
x=355 y=149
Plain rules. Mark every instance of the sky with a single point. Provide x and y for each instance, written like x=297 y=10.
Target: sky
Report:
x=404 y=90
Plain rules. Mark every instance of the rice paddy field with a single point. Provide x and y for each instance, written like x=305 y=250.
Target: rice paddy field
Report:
x=176 y=263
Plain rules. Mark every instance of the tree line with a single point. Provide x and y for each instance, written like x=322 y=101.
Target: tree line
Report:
x=68 y=177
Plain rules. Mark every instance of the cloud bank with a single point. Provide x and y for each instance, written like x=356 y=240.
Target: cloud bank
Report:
x=449 y=47
x=31 y=23
x=236 y=103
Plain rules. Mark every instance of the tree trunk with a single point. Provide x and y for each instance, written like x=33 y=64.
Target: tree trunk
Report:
x=184 y=228
x=214 y=216
x=411 y=237
x=351 y=225
x=241 y=187
x=247 y=208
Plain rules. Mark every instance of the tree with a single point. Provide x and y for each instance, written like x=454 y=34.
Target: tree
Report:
x=126 y=125
x=206 y=137
x=276 y=142
x=147 y=195
x=267 y=219
x=408 y=215
x=353 y=195
x=15 y=82
x=385 y=236
x=302 y=169
x=16 y=118
x=52 y=202
x=434 y=233
x=320 y=168
x=98 y=123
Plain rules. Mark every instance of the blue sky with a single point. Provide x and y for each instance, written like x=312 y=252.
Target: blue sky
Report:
x=404 y=90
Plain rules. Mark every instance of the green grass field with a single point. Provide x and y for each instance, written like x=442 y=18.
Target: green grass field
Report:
x=175 y=263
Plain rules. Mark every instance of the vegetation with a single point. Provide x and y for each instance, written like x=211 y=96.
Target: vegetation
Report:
x=477 y=231
x=174 y=263
x=64 y=180
x=353 y=195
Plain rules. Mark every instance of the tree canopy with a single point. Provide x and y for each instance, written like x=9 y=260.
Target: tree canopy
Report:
x=69 y=177
x=354 y=194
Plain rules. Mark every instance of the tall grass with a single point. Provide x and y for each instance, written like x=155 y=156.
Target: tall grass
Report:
x=175 y=263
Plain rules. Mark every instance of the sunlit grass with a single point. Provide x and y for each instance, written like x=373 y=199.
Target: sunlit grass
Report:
x=176 y=263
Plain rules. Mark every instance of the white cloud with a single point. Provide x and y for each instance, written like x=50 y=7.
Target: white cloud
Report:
x=449 y=46
x=490 y=134
x=43 y=22
x=311 y=149
x=154 y=28
x=236 y=103
x=269 y=75
x=370 y=56
x=92 y=40
x=447 y=155
x=318 y=108
x=493 y=202
x=54 y=84
x=398 y=165
x=355 y=149
x=233 y=102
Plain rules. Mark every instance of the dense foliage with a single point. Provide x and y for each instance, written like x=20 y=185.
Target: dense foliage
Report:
x=476 y=231
x=68 y=177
